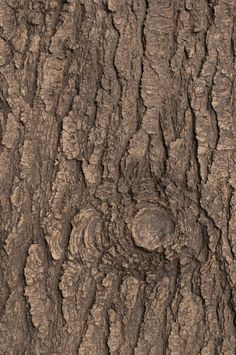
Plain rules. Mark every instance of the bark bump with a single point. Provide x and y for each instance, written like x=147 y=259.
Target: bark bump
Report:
x=152 y=228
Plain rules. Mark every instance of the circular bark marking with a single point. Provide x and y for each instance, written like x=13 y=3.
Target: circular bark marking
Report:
x=152 y=228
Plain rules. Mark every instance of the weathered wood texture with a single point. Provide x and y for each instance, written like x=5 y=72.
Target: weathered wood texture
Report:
x=117 y=177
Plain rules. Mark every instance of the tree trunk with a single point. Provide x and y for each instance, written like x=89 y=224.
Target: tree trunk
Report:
x=117 y=177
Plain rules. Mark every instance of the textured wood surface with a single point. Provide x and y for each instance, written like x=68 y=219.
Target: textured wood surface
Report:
x=117 y=177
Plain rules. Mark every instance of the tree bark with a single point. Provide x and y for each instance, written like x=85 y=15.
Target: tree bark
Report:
x=117 y=177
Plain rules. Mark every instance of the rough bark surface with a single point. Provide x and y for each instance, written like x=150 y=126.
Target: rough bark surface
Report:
x=117 y=177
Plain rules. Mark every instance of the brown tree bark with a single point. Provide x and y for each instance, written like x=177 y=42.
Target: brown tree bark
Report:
x=117 y=177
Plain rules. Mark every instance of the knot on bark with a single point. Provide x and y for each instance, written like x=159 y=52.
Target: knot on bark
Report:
x=86 y=240
x=152 y=228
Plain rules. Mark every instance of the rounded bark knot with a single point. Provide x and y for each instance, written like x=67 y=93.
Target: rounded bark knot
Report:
x=87 y=239
x=153 y=228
